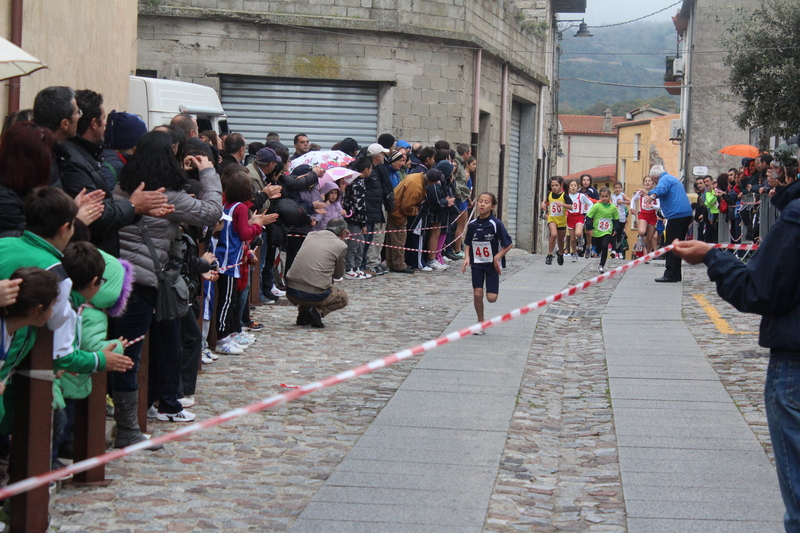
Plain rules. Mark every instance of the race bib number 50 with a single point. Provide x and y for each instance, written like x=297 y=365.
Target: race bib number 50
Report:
x=483 y=252
x=555 y=210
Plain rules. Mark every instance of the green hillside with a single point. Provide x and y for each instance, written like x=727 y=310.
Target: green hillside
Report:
x=631 y=54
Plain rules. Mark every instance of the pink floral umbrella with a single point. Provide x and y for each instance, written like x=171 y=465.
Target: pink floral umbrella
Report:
x=326 y=159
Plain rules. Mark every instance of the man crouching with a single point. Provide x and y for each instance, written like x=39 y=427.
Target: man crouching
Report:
x=309 y=282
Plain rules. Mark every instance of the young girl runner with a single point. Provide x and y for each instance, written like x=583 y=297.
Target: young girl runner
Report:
x=556 y=206
x=591 y=192
x=604 y=217
x=487 y=243
x=575 y=218
x=620 y=199
x=646 y=208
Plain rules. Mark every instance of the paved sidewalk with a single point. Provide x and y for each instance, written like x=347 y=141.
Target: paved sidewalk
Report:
x=686 y=455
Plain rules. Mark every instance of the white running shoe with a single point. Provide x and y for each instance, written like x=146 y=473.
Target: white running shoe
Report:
x=152 y=411
x=211 y=355
x=186 y=401
x=228 y=348
x=363 y=275
x=243 y=339
x=277 y=292
x=206 y=360
x=183 y=416
x=574 y=258
x=350 y=274
x=427 y=268
x=242 y=347
x=444 y=267
x=601 y=270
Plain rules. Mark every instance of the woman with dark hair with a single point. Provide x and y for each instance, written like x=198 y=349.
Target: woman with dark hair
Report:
x=178 y=139
x=154 y=164
x=24 y=165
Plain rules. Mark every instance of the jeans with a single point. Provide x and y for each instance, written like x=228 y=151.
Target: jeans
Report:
x=354 y=248
x=191 y=350
x=782 y=399
x=367 y=240
x=165 y=349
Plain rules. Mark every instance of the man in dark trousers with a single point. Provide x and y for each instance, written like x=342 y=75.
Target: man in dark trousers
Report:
x=768 y=286
x=676 y=207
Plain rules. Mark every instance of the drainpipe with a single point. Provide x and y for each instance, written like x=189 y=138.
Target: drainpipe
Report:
x=476 y=111
x=503 y=139
x=16 y=38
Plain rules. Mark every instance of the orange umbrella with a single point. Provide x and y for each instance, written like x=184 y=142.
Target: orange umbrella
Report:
x=741 y=150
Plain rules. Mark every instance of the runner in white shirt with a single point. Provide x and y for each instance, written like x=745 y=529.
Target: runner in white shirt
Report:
x=621 y=200
x=576 y=217
x=646 y=208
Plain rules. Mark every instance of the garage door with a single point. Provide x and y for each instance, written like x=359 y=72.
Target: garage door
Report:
x=513 y=171
x=326 y=111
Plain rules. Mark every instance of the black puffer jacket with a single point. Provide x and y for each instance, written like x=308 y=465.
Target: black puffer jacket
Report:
x=379 y=194
x=12 y=219
x=82 y=171
x=767 y=285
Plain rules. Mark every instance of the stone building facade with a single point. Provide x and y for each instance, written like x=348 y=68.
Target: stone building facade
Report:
x=408 y=68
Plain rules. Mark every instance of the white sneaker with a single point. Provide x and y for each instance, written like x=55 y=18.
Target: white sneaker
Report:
x=337 y=280
x=363 y=275
x=427 y=268
x=574 y=258
x=206 y=360
x=242 y=347
x=350 y=274
x=601 y=270
x=152 y=412
x=436 y=265
x=243 y=339
x=445 y=259
x=211 y=355
x=183 y=416
x=443 y=266
x=277 y=292
x=186 y=401
x=228 y=348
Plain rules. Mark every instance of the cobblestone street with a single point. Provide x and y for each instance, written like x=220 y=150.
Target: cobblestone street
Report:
x=560 y=467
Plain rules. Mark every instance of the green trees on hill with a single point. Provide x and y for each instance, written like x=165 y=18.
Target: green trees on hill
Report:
x=632 y=54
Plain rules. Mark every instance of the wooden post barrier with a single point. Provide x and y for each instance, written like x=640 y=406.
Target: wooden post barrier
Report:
x=89 y=430
x=32 y=440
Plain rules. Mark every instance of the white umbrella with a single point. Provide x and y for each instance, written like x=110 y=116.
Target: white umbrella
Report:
x=14 y=61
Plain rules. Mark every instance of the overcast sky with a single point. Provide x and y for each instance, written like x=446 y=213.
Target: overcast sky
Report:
x=610 y=11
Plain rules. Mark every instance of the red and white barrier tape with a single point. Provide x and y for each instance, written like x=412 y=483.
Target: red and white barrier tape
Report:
x=746 y=247
x=279 y=399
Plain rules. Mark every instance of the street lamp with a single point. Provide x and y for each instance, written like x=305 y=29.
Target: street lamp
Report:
x=561 y=27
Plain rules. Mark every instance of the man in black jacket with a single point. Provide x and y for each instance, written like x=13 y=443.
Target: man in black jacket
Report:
x=768 y=286
x=55 y=108
x=81 y=170
x=380 y=195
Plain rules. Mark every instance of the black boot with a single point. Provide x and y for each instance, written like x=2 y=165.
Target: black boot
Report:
x=126 y=407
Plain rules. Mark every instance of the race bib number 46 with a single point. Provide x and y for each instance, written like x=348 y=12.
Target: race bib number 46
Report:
x=483 y=252
x=604 y=224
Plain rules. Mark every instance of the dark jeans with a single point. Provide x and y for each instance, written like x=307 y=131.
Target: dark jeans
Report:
x=267 y=263
x=676 y=229
x=367 y=240
x=192 y=346
x=165 y=349
x=782 y=404
x=601 y=244
x=293 y=245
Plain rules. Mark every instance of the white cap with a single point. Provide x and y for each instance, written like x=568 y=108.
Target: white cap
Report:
x=375 y=149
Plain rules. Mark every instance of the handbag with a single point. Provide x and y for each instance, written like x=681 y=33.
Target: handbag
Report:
x=172 y=300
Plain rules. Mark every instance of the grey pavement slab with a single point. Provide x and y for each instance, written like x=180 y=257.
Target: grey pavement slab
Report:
x=429 y=460
x=684 y=448
x=658 y=525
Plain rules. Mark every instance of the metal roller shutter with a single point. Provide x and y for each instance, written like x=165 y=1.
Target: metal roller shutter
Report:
x=327 y=111
x=513 y=170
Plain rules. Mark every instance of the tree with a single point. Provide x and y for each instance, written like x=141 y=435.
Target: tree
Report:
x=763 y=53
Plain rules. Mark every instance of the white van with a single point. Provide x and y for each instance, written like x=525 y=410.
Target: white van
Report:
x=156 y=101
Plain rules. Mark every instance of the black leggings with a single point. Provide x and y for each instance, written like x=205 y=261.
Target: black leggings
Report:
x=601 y=245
